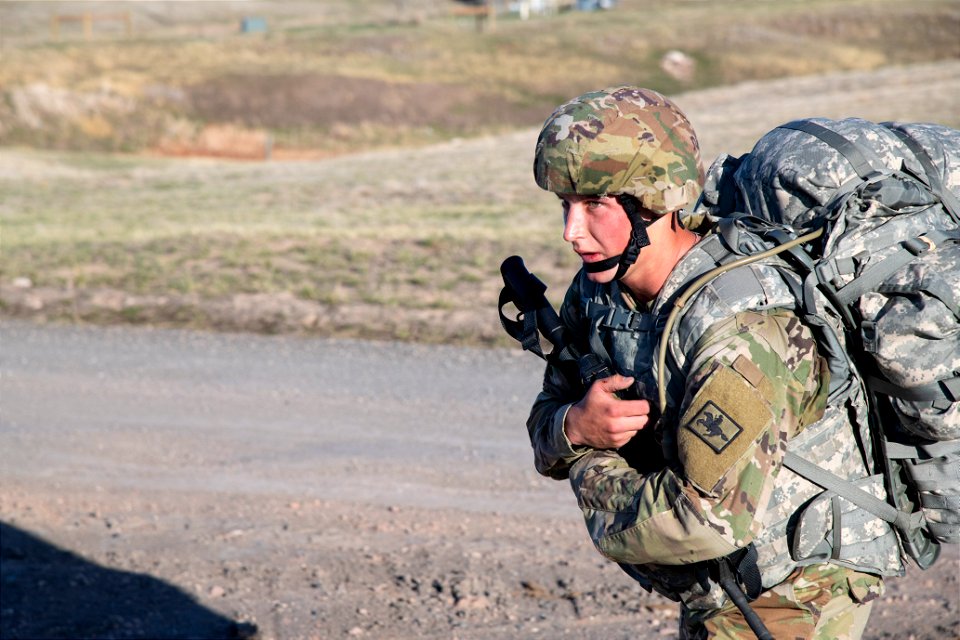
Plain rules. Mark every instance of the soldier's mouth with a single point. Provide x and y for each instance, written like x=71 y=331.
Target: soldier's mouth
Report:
x=590 y=257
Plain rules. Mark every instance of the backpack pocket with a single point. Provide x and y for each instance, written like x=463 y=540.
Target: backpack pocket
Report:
x=932 y=470
x=832 y=528
x=911 y=327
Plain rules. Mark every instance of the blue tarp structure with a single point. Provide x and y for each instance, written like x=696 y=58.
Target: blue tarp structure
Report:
x=253 y=25
x=593 y=5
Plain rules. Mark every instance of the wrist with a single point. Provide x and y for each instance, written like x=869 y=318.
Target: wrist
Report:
x=569 y=426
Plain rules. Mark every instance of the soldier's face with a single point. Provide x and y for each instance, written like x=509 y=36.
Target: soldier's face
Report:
x=597 y=228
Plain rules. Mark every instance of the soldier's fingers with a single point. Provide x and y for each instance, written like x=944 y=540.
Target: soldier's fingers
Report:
x=630 y=408
x=628 y=424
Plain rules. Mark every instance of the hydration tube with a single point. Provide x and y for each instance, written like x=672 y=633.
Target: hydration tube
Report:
x=698 y=284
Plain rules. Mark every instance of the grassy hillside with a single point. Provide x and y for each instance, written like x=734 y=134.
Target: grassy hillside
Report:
x=335 y=77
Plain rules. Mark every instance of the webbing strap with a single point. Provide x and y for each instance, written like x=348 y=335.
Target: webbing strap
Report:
x=733 y=230
x=853 y=153
x=943 y=448
x=837 y=528
x=827 y=342
x=902 y=520
x=596 y=344
x=948 y=533
x=871 y=277
x=619 y=318
x=602 y=265
x=524 y=328
x=530 y=338
x=934 y=501
x=950 y=202
x=948 y=388
x=715 y=249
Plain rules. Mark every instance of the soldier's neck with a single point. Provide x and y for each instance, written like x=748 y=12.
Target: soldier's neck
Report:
x=647 y=277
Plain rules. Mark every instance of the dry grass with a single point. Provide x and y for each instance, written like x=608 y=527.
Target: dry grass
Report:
x=419 y=240
x=320 y=80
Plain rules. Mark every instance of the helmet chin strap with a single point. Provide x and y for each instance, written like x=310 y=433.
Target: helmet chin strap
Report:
x=638 y=240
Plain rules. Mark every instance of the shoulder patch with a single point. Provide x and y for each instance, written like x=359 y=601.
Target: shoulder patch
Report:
x=714 y=426
x=719 y=427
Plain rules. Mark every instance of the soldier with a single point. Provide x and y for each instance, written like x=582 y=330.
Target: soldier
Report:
x=684 y=500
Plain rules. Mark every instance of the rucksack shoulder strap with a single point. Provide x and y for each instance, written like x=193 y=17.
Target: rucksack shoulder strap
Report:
x=692 y=287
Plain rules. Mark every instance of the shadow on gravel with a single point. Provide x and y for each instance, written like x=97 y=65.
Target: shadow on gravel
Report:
x=47 y=592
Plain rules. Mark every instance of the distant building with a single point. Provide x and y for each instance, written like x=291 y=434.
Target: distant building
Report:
x=253 y=25
x=593 y=5
x=526 y=8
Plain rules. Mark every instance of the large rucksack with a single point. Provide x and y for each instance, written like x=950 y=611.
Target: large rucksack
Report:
x=868 y=215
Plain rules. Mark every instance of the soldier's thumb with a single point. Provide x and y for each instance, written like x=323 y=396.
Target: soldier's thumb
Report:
x=616 y=383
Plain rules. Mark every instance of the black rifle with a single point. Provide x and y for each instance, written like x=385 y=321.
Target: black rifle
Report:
x=537 y=317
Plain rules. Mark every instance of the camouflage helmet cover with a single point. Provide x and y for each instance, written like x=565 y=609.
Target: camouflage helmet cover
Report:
x=621 y=140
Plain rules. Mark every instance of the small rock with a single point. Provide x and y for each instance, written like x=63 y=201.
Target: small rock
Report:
x=678 y=65
x=473 y=603
x=22 y=283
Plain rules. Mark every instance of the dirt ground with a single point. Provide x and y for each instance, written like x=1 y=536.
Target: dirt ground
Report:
x=172 y=484
x=309 y=99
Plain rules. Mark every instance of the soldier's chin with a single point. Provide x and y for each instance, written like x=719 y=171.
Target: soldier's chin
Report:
x=603 y=277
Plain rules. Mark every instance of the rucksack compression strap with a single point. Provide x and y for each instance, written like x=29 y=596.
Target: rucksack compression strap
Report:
x=902 y=520
x=852 y=152
x=947 y=388
x=871 y=277
x=950 y=202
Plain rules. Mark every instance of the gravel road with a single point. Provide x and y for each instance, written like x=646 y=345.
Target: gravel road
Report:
x=176 y=484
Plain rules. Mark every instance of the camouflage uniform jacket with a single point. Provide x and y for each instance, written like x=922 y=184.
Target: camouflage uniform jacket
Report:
x=747 y=383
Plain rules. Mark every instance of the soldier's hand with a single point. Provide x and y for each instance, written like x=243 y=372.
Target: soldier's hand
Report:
x=602 y=420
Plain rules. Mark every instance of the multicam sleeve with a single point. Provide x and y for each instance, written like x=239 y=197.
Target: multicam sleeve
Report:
x=552 y=451
x=755 y=380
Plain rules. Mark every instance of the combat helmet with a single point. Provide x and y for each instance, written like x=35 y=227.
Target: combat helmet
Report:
x=631 y=143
